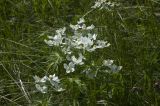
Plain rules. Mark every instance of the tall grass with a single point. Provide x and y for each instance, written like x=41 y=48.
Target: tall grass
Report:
x=133 y=29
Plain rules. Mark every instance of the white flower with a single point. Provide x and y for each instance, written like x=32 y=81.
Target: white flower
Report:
x=103 y=4
x=80 y=25
x=70 y=67
x=54 y=78
x=40 y=80
x=80 y=42
x=90 y=27
x=91 y=49
x=81 y=20
x=49 y=42
x=94 y=36
x=66 y=50
x=85 y=41
x=44 y=79
x=36 y=78
x=57 y=39
x=74 y=27
x=42 y=89
x=98 y=3
x=59 y=89
x=41 y=83
x=61 y=31
x=102 y=44
x=111 y=4
x=113 y=67
x=108 y=62
x=78 y=61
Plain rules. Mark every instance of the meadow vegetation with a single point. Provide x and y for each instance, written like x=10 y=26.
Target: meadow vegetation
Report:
x=114 y=61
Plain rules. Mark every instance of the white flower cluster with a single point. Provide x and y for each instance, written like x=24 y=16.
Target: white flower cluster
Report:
x=42 y=86
x=57 y=39
x=74 y=44
x=113 y=67
x=83 y=39
x=72 y=62
x=104 y=4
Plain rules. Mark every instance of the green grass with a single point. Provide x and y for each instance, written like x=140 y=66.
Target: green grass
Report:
x=133 y=29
